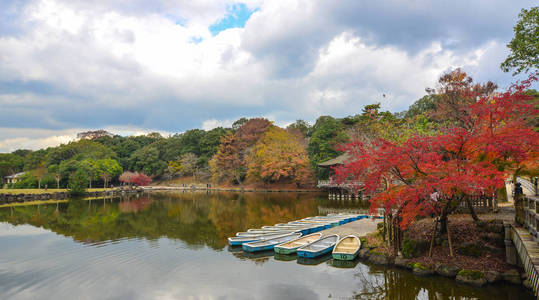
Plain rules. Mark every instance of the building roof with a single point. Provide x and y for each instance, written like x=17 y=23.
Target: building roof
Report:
x=339 y=160
x=14 y=175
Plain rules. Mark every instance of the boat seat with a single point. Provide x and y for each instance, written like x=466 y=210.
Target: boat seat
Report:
x=346 y=248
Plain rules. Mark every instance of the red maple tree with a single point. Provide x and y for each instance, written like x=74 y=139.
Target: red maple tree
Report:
x=141 y=179
x=427 y=175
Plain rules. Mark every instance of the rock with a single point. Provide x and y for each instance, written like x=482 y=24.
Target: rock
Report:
x=472 y=277
x=447 y=270
x=470 y=249
x=401 y=262
x=380 y=259
x=364 y=253
x=492 y=276
x=511 y=276
x=422 y=270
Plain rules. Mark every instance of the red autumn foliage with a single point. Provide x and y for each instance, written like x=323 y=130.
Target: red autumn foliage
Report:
x=141 y=179
x=434 y=174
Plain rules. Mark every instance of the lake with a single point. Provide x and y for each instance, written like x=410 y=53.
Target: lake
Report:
x=172 y=245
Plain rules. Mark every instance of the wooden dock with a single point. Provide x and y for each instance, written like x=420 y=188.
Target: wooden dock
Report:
x=359 y=228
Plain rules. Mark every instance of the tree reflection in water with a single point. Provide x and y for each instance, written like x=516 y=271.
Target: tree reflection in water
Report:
x=197 y=218
x=378 y=282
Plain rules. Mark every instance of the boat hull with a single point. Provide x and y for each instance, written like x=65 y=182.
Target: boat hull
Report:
x=280 y=250
x=239 y=243
x=344 y=256
x=250 y=248
x=312 y=254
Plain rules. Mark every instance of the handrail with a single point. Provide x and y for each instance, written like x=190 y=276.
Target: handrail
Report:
x=531 y=215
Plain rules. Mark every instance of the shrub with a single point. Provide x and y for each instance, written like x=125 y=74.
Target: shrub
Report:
x=78 y=182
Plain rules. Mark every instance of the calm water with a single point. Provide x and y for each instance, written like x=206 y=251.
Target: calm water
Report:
x=173 y=246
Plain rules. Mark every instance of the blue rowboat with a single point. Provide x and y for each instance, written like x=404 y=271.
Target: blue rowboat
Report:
x=239 y=240
x=347 y=248
x=269 y=243
x=320 y=247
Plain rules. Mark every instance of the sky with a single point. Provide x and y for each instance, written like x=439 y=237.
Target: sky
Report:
x=132 y=67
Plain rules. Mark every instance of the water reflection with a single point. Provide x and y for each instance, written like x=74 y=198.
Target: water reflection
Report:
x=170 y=246
x=389 y=283
x=195 y=218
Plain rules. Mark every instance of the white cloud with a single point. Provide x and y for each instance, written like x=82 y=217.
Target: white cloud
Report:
x=35 y=138
x=213 y=123
x=80 y=64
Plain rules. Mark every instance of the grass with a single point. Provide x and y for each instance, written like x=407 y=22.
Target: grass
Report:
x=43 y=191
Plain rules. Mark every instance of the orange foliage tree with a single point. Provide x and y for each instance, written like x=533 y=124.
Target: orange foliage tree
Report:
x=279 y=157
x=230 y=161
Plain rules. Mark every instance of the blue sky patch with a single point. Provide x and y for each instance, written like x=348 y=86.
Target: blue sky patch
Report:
x=236 y=17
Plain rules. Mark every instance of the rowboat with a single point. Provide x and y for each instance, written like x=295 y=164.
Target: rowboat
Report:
x=239 y=240
x=327 y=224
x=269 y=243
x=270 y=228
x=292 y=246
x=347 y=248
x=302 y=229
x=319 y=247
x=262 y=233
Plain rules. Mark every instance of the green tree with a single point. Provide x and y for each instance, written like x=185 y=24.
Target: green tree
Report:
x=91 y=167
x=299 y=126
x=209 y=144
x=524 y=46
x=10 y=164
x=54 y=171
x=68 y=167
x=326 y=134
x=108 y=169
x=78 y=182
x=147 y=160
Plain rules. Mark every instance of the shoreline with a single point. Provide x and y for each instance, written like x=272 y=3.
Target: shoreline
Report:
x=52 y=196
x=476 y=261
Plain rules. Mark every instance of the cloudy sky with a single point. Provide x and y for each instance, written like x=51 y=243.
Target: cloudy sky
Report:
x=169 y=66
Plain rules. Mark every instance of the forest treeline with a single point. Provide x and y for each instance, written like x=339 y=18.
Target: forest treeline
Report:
x=251 y=151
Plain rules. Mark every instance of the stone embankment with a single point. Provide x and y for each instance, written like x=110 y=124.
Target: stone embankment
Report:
x=8 y=198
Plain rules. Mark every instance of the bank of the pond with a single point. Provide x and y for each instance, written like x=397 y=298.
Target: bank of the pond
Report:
x=479 y=256
x=229 y=189
x=31 y=196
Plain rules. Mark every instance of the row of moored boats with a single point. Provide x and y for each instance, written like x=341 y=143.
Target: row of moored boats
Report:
x=302 y=237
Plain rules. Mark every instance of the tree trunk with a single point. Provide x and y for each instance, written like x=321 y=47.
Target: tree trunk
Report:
x=443 y=220
x=472 y=210
x=57 y=183
x=432 y=237
x=39 y=183
x=449 y=241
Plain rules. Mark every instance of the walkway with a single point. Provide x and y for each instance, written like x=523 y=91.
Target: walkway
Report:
x=359 y=228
